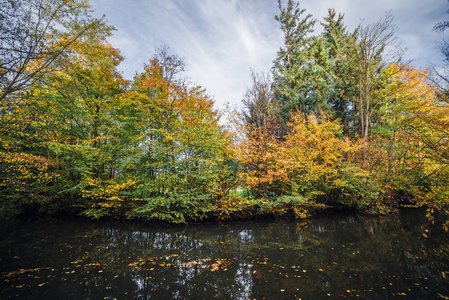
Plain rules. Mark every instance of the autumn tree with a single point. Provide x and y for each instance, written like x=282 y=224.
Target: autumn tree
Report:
x=180 y=158
x=36 y=38
x=371 y=56
x=258 y=101
x=86 y=96
x=441 y=25
x=261 y=137
x=68 y=121
x=441 y=72
x=306 y=169
x=26 y=172
x=415 y=124
x=34 y=34
x=319 y=169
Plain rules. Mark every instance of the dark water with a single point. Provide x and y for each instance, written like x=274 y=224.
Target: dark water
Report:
x=325 y=258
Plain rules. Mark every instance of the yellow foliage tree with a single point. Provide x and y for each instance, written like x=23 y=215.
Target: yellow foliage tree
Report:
x=418 y=148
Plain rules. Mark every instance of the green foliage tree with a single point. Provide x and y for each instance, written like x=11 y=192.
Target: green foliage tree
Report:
x=182 y=167
x=86 y=95
x=292 y=68
x=340 y=82
x=36 y=38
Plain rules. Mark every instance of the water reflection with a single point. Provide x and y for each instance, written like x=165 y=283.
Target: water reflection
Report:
x=335 y=256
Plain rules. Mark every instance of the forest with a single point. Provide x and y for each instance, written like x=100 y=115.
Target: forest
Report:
x=340 y=122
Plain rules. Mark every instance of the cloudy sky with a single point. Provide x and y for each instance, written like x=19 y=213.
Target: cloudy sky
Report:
x=221 y=40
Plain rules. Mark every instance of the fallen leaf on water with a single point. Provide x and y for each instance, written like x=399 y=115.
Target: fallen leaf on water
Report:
x=443 y=297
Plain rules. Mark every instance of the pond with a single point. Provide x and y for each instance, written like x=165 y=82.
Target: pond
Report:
x=403 y=256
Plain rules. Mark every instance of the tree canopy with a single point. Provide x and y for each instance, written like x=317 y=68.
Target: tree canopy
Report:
x=338 y=123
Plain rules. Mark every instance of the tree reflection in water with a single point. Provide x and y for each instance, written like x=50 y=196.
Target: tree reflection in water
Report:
x=336 y=256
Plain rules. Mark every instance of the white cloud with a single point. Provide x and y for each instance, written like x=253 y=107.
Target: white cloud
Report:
x=222 y=39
